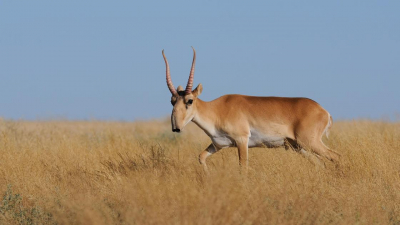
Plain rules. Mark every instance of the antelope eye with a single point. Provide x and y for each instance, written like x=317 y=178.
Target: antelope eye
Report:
x=190 y=101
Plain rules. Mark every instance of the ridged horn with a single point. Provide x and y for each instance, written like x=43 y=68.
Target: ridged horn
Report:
x=189 y=85
x=169 y=81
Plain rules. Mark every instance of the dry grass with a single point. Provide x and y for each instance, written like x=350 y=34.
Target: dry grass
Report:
x=142 y=173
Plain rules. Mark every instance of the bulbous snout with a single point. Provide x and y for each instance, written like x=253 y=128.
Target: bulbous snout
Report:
x=175 y=126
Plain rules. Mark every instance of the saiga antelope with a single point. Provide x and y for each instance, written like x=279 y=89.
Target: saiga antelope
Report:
x=247 y=121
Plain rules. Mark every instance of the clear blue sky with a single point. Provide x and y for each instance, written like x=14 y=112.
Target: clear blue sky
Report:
x=102 y=60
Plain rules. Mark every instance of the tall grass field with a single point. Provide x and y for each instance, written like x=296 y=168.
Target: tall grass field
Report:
x=90 y=172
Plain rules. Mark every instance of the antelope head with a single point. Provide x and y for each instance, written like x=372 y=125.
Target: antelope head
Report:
x=183 y=101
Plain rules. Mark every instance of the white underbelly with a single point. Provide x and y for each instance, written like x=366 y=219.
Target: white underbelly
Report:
x=258 y=139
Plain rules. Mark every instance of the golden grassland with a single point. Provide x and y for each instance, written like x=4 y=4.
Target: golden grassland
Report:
x=64 y=172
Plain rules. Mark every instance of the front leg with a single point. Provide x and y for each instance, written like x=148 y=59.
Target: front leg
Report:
x=243 y=150
x=211 y=149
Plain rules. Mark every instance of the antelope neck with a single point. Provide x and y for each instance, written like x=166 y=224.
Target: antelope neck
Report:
x=205 y=117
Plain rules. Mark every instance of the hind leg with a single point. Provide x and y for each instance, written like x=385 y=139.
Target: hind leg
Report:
x=313 y=158
x=309 y=134
x=318 y=147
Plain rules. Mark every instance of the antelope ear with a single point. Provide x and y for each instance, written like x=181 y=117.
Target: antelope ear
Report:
x=180 y=88
x=196 y=92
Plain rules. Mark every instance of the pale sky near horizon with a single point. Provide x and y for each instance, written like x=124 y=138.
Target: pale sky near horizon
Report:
x=102 y=59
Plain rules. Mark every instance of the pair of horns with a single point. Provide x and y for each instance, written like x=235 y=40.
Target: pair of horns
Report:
x=189 y=85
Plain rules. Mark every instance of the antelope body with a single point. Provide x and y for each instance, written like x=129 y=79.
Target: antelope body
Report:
x=248 y=121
